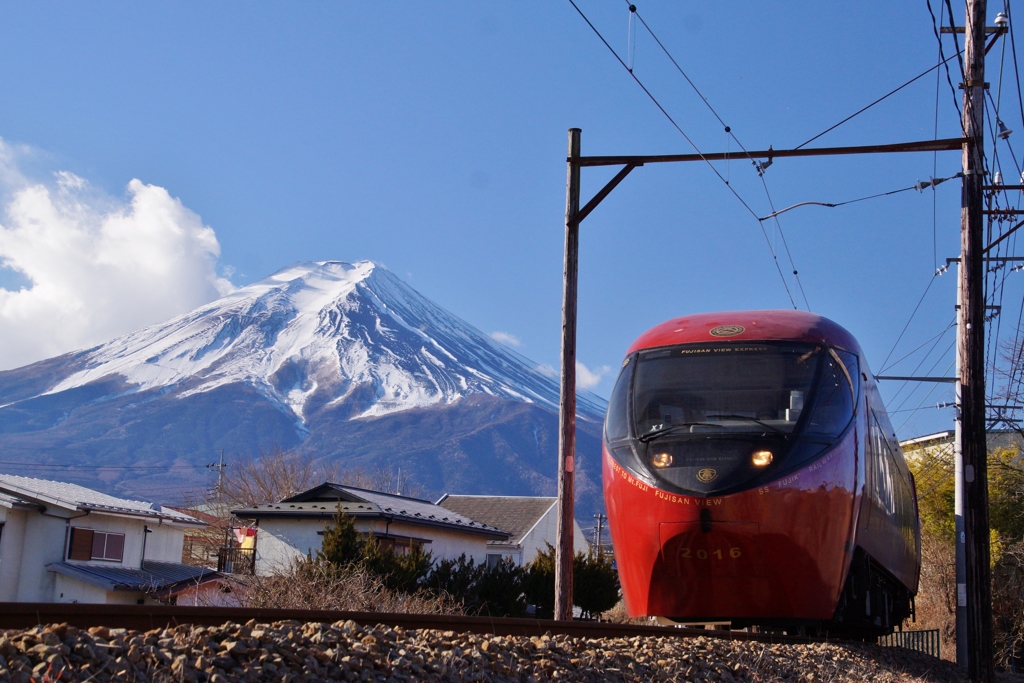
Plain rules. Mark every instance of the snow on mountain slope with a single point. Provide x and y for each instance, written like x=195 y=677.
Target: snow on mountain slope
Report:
x=318 y=334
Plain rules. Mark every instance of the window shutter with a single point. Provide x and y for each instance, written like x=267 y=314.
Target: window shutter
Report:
x=98 y=540
x=81 y=544
x=115 y=547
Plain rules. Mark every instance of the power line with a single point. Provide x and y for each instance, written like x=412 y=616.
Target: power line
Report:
x=883 y=97
x=99 y=467
x=929 y=341
x=918 y=306
x=928 y=395
x=938 y=38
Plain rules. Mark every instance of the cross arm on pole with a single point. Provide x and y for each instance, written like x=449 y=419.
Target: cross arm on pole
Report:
x=1002 y=237
x=945 y=145
x=950 y=380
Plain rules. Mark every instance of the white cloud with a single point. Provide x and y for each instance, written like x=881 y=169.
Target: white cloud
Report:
x=97 y=266
x=587 y=378
x=506 y=338
x=547 y=370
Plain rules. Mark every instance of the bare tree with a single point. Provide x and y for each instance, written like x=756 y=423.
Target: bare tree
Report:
x=248 y=481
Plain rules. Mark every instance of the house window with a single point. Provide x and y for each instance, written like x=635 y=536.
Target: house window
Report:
x=87 y=544
x=492 y=560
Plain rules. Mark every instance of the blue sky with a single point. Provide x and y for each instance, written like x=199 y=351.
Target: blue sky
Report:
x=431 y=137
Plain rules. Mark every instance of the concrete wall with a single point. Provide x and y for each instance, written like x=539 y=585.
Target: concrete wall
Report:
x=67 y=589
x=212 y=594
x=279 y=542
x=11 y=543
x=43 y=543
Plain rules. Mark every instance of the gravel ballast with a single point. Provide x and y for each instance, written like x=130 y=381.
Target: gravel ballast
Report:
x=292 y=652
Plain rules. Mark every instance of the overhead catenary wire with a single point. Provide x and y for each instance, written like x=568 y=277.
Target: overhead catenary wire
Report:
x=729 y=134
x=919 y=186
x=678 y=128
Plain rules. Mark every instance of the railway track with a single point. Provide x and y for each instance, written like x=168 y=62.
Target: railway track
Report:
x=21 y=615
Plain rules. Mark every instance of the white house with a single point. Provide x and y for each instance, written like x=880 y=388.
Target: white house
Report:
x=62 y=542
x=532 y=522
x=293 y=528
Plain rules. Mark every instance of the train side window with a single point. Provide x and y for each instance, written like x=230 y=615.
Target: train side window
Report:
x=852 y=372
x=833 y=403
x=616 y=422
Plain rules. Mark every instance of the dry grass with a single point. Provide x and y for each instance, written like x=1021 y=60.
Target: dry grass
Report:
x=323 y=586
x=936 y=597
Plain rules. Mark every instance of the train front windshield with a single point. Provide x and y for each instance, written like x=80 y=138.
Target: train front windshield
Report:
x=707 y=418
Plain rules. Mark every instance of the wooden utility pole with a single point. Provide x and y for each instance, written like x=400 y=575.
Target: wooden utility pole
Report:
x=567 y=399
x=971 y=350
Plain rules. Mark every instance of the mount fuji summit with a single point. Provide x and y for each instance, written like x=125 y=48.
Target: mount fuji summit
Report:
x=342 y=362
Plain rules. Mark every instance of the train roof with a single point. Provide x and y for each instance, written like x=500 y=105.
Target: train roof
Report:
x=745 y=326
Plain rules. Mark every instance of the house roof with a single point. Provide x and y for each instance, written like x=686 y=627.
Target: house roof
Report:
x=516 y=514
x=9 y=501
x=74 y=497
x=153 y=577
x=322 y=502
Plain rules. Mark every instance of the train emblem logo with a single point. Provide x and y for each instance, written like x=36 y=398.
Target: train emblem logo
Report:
x=707 y=474
x=726 y=331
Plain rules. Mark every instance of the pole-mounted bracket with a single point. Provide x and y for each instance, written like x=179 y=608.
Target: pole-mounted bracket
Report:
x=604 y=192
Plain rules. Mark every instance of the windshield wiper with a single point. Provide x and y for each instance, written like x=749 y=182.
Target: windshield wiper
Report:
x=649 y=436
x=749 y=419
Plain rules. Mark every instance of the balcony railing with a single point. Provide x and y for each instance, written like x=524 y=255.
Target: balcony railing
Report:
x=236 y=560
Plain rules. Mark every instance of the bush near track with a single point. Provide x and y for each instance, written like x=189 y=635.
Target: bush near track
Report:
x=936 y=601
x=352 y=572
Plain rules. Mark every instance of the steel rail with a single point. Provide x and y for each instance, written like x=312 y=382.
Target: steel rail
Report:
x=21 y=615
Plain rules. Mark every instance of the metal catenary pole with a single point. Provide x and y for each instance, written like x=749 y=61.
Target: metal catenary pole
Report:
x=567 y=399
x=574 y=215
x=971 y=350
x=958 y=496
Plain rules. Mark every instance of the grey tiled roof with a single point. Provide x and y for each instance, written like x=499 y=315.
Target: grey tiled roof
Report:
x=515 y=514
x=322 y=502
x=153 y=577
x=77 y=497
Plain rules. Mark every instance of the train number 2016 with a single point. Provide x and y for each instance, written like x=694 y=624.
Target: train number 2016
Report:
x=717 y=554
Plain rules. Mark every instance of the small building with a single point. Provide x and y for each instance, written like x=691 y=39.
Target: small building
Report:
x=294 y=528
x=532 y=522
x=62 y=542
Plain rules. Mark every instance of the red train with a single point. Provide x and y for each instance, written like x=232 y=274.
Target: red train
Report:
x=752 y=476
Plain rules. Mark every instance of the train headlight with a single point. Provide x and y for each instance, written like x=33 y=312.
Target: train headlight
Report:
x=661 y=460
x=761 y=458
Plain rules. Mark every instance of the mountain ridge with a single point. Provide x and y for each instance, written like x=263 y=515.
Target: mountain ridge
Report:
x=342 y=362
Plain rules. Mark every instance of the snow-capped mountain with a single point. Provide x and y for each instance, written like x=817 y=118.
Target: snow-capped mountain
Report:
x=341 y=362
x=319 y=334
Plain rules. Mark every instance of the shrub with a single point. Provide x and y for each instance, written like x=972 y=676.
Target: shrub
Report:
x=496 y=591
x=595 y=583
